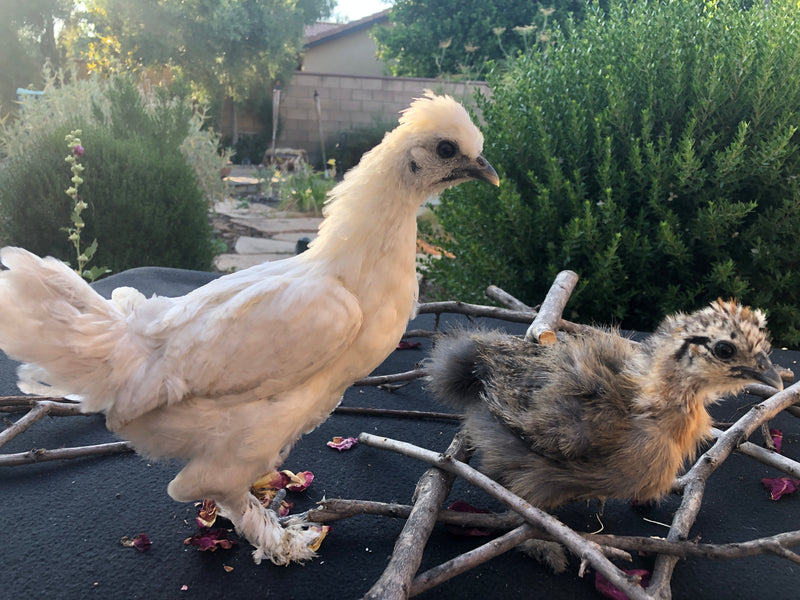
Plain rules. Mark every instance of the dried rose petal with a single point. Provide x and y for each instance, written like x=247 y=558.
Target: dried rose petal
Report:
x=780 y=486
x=285 y=508
x=341 y=443
x=207 y=514
x=777 y=439
x=323 y=532
x=300 y=481
x=403 y=345
x=141 y=542
x=609 y=590
x=273 y=480
x=461 y=506
x=211 y=539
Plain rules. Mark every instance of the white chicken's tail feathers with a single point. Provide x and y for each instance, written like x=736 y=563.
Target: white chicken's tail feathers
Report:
x=68 y=334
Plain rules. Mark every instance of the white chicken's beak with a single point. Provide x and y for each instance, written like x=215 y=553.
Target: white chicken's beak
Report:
x=478 y=168
x=481 y=169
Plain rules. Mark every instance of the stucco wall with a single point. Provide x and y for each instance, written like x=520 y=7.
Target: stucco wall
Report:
x=354 y=54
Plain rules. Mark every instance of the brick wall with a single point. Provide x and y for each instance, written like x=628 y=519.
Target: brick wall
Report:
x=349 y=103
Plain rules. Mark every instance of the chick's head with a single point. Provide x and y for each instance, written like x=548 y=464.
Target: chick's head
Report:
x=720 y=348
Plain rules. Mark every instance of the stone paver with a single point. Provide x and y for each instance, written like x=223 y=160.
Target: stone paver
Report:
x=281 y=231
x=254 y=245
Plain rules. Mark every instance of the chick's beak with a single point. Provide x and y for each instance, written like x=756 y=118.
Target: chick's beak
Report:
x=765 y=372
x=481 y=169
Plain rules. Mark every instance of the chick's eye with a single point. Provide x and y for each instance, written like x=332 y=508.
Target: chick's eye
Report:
x=446 y=149
x=724 y=350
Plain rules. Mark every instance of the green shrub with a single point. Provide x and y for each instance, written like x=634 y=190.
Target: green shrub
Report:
x=350 y=146
x=72 y=102
x=144 y=203
x=653 y=151
x=305 y=190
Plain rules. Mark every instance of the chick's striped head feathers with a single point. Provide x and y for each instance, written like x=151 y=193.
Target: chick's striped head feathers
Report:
x=724 y=345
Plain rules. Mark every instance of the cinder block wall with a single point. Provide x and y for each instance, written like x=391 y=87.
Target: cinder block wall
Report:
x=350 y=103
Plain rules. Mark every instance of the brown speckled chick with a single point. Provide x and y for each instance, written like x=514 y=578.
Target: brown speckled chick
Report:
x=598 y=417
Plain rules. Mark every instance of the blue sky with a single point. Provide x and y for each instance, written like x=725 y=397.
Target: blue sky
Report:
x=355 y=9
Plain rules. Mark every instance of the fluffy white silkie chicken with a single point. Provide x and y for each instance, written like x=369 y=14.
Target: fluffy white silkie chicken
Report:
x=229 y=376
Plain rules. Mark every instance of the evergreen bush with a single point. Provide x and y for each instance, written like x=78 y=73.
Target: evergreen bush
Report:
x=654 y=151
x=145 y=206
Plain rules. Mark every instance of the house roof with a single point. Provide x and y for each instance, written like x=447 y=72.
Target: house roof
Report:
x=319 y=33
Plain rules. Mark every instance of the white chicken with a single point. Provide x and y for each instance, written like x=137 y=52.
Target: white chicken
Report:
x=229 y=376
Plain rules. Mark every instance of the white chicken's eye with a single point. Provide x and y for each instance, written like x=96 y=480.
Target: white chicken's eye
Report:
x=446 y=149
x=724 y=350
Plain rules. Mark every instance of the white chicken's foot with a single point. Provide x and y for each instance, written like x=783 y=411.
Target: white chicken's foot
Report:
x=281 y=545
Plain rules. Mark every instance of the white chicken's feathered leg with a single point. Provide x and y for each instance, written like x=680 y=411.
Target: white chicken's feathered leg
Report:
x=279 y=544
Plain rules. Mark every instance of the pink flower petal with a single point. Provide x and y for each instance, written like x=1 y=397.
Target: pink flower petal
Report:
x=285 y=509
x=298 y=482
x=273 y=480
x=461 y=506
x=777 y=439
x=403 y=345
x=780 y=486
x=142 y=543
x=341 y=443
x=609 y=590
x=207 y=514
x=211 y=539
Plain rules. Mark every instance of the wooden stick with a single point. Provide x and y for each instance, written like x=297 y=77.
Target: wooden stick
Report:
x=37 y=413
x=694 y=480
x=476 y=310
x=764 y=456
x=586 y=551
x=432 y=490
x=503 y=297
x=499 y=295
x=464 y=562
x=388 y=412
x=393 y=378
x=42 y=454
x=331 y=510
x=544 y=326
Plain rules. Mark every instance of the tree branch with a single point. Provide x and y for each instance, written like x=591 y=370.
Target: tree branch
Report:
x=41 y=454
x=476 y=310
x=431 y=492
x=544 y=326
x=586 y=551
x=764 y=456
x=694 y=480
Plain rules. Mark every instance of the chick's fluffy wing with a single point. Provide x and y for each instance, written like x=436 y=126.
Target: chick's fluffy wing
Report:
x=265 y=338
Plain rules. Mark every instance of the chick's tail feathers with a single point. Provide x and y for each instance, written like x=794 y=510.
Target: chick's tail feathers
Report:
x=455 y=367
x=67 y=334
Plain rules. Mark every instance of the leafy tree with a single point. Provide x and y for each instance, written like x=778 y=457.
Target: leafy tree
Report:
x=432 y=38
x=229 y=48
x=654 y=151
x=27 y=40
